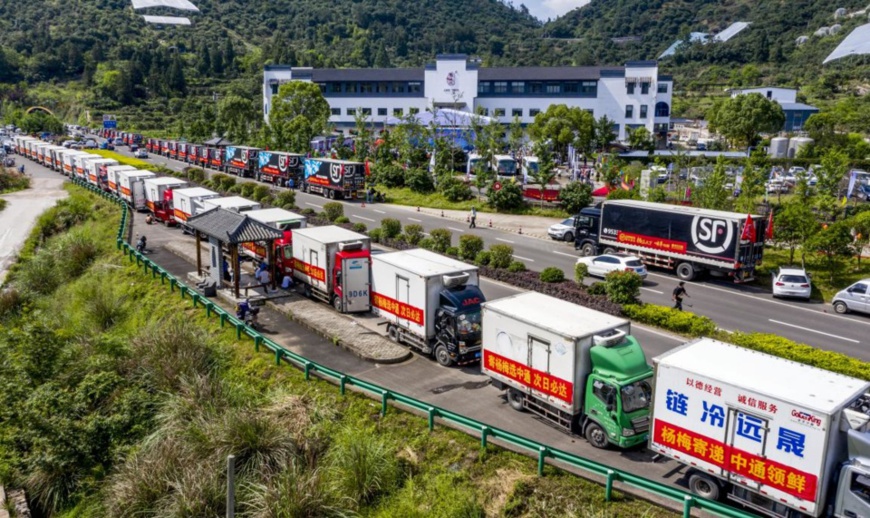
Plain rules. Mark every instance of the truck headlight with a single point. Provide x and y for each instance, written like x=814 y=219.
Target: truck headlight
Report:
x=628 y=432
x=463 y=349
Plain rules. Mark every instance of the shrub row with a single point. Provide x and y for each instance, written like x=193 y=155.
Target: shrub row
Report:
x=681 y=322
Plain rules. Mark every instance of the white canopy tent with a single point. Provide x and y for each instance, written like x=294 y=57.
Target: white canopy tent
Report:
x=182 y=5
x=855 y=44
x=445 y=118
x=167 y=20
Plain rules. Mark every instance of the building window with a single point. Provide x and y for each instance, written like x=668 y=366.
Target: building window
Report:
x=274 y=87
x=366 y=88
x=333 y=88
x=533 y=112
x=382 y=112
x=414 y=88
x=643 y=111
x=518 y=87
x=629 y=88
x=499 y=112
x=571 y=87
x=629 y=111
x=366 y=111
x=335 y=111
x=554 y=88
x=536 y=88
x=351 y=87
x=398 y=112
x=500 y=87
x=517 y=112
x=398 y=88
x=644 y=88
x=615 y=129
x=351 y=112
x=383 y=87
x=589 y=87
x=415 y=111
x=485 y=112
x=662 y=110
x=663 y=88
x=322 y=87
x=483 y=87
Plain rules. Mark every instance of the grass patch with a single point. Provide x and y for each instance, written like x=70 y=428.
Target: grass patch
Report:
x=123 y=160
x=2 y=204
x=405 y=196
x=823 y=288
x=11 y=180
x=118 y=398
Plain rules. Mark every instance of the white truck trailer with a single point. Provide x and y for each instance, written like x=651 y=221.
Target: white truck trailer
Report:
x=576 y=367
x=189 y=202
x=782 y=438
x=69 y=165
x=233 y=203
x=279 y=219
x=333 y=265
x=112 y=176
x=430 y=302
x=158 y=197
x=96 y=171
x=131 y=187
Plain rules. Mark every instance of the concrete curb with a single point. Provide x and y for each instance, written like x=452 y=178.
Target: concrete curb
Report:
x=482 y=220
x=339 y=329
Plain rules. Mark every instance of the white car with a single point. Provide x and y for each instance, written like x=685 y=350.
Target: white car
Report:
x=562 y=231
x=792 y=282
x=601 y=265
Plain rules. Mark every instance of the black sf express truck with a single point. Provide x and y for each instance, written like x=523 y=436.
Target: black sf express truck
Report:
x=241 y=161
x=335 y=179
x=688 y=240
x=277 y=167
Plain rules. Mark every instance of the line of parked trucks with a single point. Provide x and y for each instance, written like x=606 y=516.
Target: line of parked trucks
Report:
x=780 y=438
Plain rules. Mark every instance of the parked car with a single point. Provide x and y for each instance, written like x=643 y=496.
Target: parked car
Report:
x=862 y=191
x=601 y=265
x=141 y=154
x=562 y=231
x=791 y=282
x=775 y=186
x=853 y=298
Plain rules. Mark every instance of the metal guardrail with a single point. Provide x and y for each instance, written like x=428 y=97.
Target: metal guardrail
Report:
x=385 y=395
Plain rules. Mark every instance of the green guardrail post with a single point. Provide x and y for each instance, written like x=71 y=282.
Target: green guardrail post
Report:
x=608 y=488
x=385 y=395
x=279 y=352
x=172 y=284
x=208 y=307
x=223 y=317
x=342 y=381
x=163 y=277
x=688 y=503
x=257 y=340
x=542 y=456
x=183 y=290
x=484 y=431
x=118 y=242
x=239 y=328
x=432 y=411
x=195 y=297
x=308 y=371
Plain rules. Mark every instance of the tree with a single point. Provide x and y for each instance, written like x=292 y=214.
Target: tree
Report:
x=711 y=194
x=794 y=223
x=299 y=113
x=835 y=167
x=564 y=126
x=752 y=184
x=640 y=138
x=363 y=141
x=546 y=171
x=516 y=134
x=175 y=77
x=834 y=243
x=604 y=133
x=235 y=116
x=575 y=196
x=743 y=117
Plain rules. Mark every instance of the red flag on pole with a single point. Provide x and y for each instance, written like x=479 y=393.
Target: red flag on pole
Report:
x=748 y=230
x=688 y=192
x=368 y=168
x=768 y=233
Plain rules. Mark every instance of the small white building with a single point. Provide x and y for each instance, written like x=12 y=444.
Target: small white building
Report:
x=634 y=95
x=796 y=113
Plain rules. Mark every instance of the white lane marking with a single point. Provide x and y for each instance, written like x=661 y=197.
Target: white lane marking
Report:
x=566 y=255
x=812 y=331
x=456 y=229
x=504 y=240
x=652 y=290
x=314 y=205
x=380 y=211
x=360 y=217
x=763 y=299
x=524 y=258
x=417 y=220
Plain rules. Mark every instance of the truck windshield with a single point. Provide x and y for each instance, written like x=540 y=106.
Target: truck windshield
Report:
x=468 y=323
x=636 y=396
x=507 y=167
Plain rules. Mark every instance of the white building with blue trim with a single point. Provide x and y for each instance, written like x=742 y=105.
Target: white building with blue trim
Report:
x=634 y=95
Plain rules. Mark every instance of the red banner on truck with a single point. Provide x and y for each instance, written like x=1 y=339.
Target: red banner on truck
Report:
x=400 y=309
x=668 y=245
x=315 y=272
x=538 y=380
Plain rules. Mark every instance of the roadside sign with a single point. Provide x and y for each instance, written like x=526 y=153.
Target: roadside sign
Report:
x=110 y=124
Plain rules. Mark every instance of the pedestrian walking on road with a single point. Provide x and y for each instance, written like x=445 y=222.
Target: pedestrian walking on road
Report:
x=473 y=218
x=679 y=293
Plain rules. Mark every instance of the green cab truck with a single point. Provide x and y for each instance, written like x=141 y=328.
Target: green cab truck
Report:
x=576 y=367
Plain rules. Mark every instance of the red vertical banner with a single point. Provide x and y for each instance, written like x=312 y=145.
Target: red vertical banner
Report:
x=748 y=230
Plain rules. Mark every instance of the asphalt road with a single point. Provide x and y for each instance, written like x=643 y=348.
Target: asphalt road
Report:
x=733 y=307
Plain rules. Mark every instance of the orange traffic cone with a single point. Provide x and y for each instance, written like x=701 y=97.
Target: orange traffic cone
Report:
x=418 y=209
x=468 y=219
x=490 y=223
x=442 y=213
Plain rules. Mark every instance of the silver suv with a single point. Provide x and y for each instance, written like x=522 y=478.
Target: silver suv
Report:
x=853 y=298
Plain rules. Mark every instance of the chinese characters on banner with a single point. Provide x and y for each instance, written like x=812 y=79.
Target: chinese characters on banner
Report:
x=540 y=381
x=400 y=309
x=656 y=243
x=315 y=272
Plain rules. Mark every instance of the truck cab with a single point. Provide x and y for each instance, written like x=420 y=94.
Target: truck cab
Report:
x=587 y=224
x=351 y=278
x=457 y=322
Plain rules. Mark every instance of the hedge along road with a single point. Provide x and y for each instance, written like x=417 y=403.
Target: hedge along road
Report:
x=733 y=307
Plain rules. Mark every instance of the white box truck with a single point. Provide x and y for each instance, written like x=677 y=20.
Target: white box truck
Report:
x=158 y=197
x=69 y=166
x=333 y=265
x=131 y=187
x=233 y=203
x=80 y=164
x=430 y=302
x=96 y=171
x=782 y=438
x=112 y=176
x=283 y=220
x=189 y=202
x=576 y=367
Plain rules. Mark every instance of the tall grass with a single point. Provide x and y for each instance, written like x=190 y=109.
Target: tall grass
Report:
x=364 y=464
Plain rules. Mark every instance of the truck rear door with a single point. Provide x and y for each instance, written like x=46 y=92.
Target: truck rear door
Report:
x=355 y=284
x=403 y=294
x=747 y=439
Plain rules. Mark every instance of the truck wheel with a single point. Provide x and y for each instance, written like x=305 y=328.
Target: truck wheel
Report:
x=306 y=290
x=331 y=194
x=596 y=436
x=685 y=271
x=609 y=250
x=442 y=356
x=515 y=399
x=568 y=237
x=393 y=333
x=841 y=307
x=336 y=303
x=704 y=486
x=587 y=250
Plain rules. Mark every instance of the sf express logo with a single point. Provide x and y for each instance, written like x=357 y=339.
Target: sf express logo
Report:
x=282 y=162
x=711 y=235
x=244 y=155
x=806 y=418
x=451 y=78
x=335 y=173
x=292 y=161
